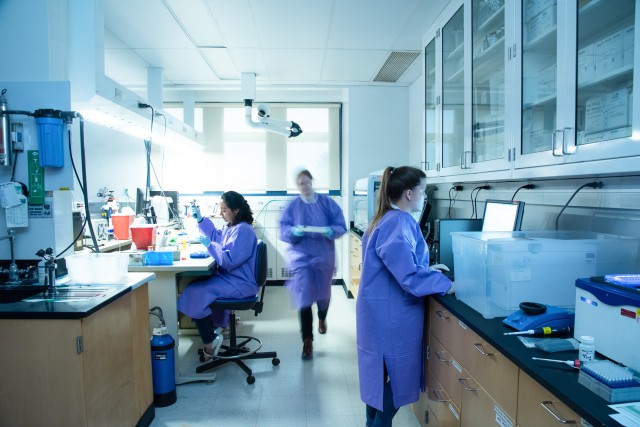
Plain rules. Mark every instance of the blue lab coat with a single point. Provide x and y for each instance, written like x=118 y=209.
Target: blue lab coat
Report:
x=312 y=255
x=390 y=310
x=234 y=250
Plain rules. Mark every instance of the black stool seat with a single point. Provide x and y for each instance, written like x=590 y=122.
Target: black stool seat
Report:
x=236 y=351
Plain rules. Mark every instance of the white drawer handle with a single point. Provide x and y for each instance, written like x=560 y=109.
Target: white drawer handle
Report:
x=436 y=393
x=479 y=347
x=440 y=358
x=441 y=315
x=465 y=384
x=561 y=420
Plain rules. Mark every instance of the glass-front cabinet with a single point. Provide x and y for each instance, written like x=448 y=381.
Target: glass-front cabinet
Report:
x=577 y=73
x=514 y=87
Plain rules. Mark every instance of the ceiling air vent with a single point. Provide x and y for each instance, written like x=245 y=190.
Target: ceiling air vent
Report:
x=395 y=66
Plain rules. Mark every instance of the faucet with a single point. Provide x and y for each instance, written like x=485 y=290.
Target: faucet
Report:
x=13 y=268
x=50 y=269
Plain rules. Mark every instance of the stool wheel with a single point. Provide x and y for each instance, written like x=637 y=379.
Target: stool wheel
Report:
x=251 y=379
x=275 y=361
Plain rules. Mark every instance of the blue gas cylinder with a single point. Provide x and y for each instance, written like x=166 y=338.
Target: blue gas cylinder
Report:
x=163 y=367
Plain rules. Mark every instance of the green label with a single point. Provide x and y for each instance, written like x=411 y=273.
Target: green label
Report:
x=36 y=178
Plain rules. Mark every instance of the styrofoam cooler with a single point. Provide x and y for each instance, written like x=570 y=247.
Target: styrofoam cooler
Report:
x=496 y=271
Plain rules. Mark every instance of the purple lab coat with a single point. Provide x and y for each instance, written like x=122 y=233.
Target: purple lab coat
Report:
x=312 y=255
x=390 y=311
x=234 y=250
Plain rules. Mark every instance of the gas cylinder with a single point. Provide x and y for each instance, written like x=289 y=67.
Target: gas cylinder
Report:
x=163 y=367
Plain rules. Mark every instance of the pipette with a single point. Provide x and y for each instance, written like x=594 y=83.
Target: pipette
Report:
x=544 y=330
x=572 y=363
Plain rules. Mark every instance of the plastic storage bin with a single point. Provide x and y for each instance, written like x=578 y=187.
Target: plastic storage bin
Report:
x=143 y=235
x=495 y=272
x=109 y=268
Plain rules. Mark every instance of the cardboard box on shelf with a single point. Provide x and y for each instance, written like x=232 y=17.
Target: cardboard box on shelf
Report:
x=610 y=111
x=586 y=64
x=547 y=81
x=628 y=36
x=541 y=24
x=608 y=54
x=533 y=7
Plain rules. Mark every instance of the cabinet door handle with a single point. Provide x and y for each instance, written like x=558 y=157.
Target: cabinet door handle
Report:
x=478 y=346
x=441 y=315
x=557 y=151
x=465 y=384
x=436 y=393
x=566 y=148
x=545 y=404
x=440 y=358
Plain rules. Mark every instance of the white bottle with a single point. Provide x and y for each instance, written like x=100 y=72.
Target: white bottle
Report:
x=587 y=348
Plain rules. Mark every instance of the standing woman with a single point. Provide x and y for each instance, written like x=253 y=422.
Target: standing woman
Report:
x=233 y=247
x=311 y=254
x=389 y=310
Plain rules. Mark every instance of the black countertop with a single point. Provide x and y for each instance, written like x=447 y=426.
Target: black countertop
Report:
x=559 y=379
x=40 y=306
x=356 y=231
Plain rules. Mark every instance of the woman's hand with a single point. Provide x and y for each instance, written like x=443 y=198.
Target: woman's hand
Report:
x=440 y=267
x=204 y=240
x=195 y=213
x=452 y=289
x=296 y=231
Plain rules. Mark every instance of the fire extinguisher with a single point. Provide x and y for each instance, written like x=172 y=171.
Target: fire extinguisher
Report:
x=162 y=363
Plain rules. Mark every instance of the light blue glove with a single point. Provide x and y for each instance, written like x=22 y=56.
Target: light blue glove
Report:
x=296 y=231
x=204 y=240
x=328 y=232
x=452 y=289
x=195 y=213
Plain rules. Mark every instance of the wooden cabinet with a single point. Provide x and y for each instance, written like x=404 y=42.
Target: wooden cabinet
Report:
x=94 y=371
x=538 y=407
x=355 y=263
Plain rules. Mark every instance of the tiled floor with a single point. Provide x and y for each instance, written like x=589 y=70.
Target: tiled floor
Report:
x=320 y=392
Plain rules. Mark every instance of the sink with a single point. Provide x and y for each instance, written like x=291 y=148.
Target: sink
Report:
x=15 y=293
x=63 y=293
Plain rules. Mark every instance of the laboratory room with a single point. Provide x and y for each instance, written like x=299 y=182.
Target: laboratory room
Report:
x=337 y=213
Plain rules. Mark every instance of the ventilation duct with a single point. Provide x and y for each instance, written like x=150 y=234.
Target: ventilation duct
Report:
x=395 y=66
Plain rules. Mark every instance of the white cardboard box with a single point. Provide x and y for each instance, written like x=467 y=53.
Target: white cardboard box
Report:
x=610 y=111
x=586 y=64
x=608 y=54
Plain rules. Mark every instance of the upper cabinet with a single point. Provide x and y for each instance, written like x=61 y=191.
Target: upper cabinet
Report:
x=531 y=89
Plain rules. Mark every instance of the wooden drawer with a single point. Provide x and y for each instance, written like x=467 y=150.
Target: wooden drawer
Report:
x=441 y=407
x=538 y=407
x=446 y=327
x=479 y=409
x=446 y=370
x=492 y=370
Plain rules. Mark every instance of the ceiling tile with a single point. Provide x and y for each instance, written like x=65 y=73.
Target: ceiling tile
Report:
x=144 y=24
x=125 y=67
x=378 y=24
x=422 y=18
x=220 y=61
x=279 y=25
x=250 y=61
x=195 y=17
x=173 y=63
x=352 y=65
x=235 y=21
x=293 y=65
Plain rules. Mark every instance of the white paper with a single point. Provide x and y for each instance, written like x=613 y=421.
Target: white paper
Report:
x=10 y=194
x=631 y=412
x=18 y=216
x=312 y=229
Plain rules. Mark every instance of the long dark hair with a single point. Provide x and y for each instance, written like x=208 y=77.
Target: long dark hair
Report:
x=235 y=201
x=394 y=182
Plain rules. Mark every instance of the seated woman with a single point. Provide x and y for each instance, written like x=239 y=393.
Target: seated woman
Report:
x=234 y=249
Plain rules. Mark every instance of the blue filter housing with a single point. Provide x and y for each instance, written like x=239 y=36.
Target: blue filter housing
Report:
x=50 y=138
x=163 y=368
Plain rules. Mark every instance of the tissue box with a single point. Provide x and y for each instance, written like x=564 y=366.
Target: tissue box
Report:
x=495 y=272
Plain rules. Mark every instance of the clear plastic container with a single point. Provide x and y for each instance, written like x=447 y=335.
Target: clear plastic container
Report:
x=496 y=271
x=101 y=268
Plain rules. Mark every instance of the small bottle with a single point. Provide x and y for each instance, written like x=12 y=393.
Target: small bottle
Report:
x=587 y=349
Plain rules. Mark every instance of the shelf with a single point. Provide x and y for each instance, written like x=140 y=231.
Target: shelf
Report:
x=598 y=16
x=431 y=72
x=490 y=62
x=455 y=75
x=492 y=19
x=544 y=41
x=551 y=99
x=610 y=77
x=457 y=52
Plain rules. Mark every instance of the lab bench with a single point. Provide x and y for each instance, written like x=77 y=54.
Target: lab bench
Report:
x=475 y=372
x=81 y=362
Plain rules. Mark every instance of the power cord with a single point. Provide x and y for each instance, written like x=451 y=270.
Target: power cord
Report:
x=452 y=200
x=474 y=201
x=527 y=187
x=595 y=185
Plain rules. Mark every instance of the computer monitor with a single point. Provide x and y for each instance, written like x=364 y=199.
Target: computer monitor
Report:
x=502 y=215
x=140 y=203
x=444 y=228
